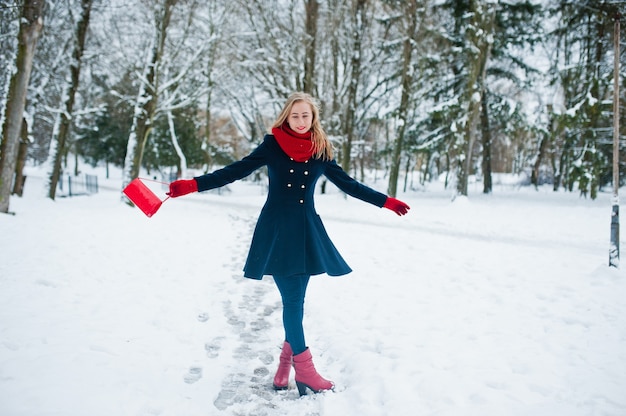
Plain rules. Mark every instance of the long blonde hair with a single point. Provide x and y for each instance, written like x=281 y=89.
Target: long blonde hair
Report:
x=322 y=147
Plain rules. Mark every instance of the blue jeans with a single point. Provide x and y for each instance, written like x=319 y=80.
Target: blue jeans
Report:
x=292 y=291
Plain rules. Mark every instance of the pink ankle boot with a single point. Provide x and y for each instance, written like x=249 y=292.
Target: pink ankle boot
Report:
x=307 y=376
x=281 y=379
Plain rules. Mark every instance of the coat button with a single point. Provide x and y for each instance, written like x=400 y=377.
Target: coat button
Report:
x=290 y=170
x=288 y=185
x=306 y=172
x=302 y=186
x=302 y=201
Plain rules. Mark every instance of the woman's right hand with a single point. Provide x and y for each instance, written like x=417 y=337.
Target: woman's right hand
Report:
x=182 y=187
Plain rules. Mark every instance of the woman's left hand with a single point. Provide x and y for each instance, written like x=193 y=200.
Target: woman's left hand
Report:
x=396 y=206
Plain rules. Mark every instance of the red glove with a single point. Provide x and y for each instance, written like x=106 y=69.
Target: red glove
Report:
x=396 y=206
x=182 y=187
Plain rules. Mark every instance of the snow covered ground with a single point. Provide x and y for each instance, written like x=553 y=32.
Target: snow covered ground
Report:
x=488 y=305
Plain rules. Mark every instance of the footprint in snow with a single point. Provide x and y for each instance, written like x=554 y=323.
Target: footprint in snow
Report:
x=213 y=348
x=194 y=374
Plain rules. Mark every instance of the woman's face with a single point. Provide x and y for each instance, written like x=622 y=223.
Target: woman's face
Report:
x=301 y=117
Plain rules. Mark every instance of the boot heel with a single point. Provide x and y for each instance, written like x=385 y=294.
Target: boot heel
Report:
x=301 y=388
x=306 y=375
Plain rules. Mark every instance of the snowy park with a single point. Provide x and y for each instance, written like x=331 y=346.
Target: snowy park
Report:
x=498 y=122
x=490 y=305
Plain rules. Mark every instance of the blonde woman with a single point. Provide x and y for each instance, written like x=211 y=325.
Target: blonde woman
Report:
x=289 y=241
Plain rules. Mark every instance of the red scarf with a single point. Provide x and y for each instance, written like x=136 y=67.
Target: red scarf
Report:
x=298 y=146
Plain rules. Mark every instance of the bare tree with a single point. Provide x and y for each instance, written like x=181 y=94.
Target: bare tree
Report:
x=31 y=24
x=409 y=23
x=18 y=186
x=478 y=39
x=360 y=21
x=268 y=48
x=355 y=73
x=147 y=97
x=213 y=25
x=64 y=121
x=311 y=8
x=8 y=35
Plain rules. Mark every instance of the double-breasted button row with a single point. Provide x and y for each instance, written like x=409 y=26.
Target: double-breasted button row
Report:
x=302 y=186
x=306 y=172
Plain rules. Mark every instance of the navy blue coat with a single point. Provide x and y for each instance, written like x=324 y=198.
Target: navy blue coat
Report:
x=289 y=237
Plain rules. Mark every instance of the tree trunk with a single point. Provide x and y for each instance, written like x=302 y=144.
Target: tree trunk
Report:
x=358 y=31
x=182 y=173
x=407 y=173
x=22 y=153
x=31 y=24
x=212 y=56
x=312 y=7
x=543 y=146
x=208 y=122
x=65 y=121
x=334 y=122
x=483 y=24
x=486 y=137
x=410 y=12
x=147 y=99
